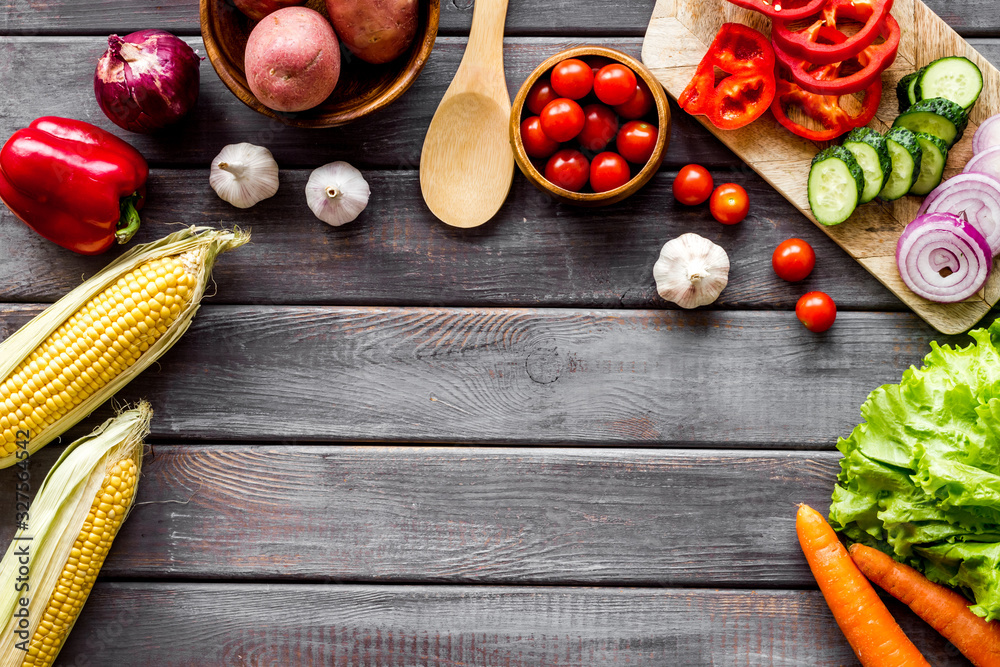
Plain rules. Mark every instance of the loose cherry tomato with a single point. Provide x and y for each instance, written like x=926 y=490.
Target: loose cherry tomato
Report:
x=614 y=84
x=572 y=78
x=693 y=185
x=562 y=119
x=793 y=260
x=540 y=94
x=729 y=203
x=636 y=141
x=599 y=127
x=608 y=171
x=536 y=143
x=637 y=106
x=568 y=169
x=817 y=311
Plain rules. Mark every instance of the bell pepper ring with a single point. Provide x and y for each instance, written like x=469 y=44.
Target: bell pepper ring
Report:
x=790 y=10
x=812 y=44
x=824 y=109
x=72 y=182
x=745 y=94
x=873 y=61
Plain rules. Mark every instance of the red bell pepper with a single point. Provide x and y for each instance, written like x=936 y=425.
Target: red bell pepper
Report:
x=824 y=109
x=789 y=10
x=873 y=61
x=75 y=184
x=740 y=98
x=812 y=45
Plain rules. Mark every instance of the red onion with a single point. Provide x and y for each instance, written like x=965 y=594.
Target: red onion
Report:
x=986 y=162
x=943 y=258
x=975 y=195
x=147 y=80
x=987 y=136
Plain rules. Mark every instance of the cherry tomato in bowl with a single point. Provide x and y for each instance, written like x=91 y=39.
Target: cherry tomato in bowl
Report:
x=729 y=204
x=637 y=106
x=599 y=127
x=614 y=84
x=572 y=78
x=817 y=311
x=597 y=62
x=569 y=169
x=693 y=185
x=536 y=142
x=793 y=260
x=637 y=141
x=608 y=171
x=562 y=119
x=541 y=93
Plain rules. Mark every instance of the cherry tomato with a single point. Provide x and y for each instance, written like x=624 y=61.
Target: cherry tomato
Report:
x=637 y=106
x=817 y=311
x=540 y=94
x=572 y=78
x=793 y=260
x=599 y=127
x=693 y=185
x=568 y=169
x=614 y=84
x=729 y=203
x=536 y=143
x=636 y=141
x=597 y=62
x=608 y=171
x=562 y=119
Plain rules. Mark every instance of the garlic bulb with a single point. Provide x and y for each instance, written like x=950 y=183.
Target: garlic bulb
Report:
x=244 y=174
x=691 y=271
x=337 y=193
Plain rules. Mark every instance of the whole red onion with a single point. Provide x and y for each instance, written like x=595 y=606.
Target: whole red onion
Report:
x=146 y=80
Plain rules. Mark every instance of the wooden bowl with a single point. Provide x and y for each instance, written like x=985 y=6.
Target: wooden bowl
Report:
x=517 y=114
x=362 y=87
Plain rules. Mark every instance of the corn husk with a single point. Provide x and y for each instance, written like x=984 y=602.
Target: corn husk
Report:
x=57 y=515
x=203 y=243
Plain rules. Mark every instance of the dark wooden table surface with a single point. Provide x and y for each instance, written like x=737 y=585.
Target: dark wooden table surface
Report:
x=396 y=443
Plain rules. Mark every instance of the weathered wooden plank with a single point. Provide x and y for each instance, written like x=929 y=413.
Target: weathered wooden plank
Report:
x=537 y=253
x=393 y=626
x=542 y=516
x=511 y=376
x=561 y=17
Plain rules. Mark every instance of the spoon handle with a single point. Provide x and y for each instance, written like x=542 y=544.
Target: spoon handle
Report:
x=486 y=37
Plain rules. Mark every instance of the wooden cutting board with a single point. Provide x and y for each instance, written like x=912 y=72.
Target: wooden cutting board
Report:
x=676 y=40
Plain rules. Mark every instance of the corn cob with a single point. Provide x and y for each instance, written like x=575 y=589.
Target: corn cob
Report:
x=73 y=520
x=76 y=354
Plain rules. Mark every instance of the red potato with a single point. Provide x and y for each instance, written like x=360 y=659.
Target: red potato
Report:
x=258 y=9
x=376 y=31
x=292 y=59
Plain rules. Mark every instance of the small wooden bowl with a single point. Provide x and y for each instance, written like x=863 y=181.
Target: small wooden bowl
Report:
x=591 y=198
x=362 y=87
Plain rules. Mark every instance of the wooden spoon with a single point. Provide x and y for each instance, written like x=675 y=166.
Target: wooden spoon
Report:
x=467 y=164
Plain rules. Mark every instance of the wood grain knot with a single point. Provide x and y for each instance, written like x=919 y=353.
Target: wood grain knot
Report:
x=544 y=365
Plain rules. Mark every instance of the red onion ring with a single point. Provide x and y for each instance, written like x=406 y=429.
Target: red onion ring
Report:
x=987 y=136
x=943 y=258
x=975 y=195
x=986 y=162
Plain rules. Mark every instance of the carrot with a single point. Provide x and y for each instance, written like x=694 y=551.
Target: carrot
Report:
x=944 y=610
x=876 y=638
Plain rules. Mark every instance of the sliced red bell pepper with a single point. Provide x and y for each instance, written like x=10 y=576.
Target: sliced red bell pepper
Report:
x=812 y=44
x=824 y=109
x=747 y=58
x=873 y=60
x=789 y=10
x=75 y=184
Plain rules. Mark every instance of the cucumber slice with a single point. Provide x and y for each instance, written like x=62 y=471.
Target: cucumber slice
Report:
x=836 y=182
x=903 y=91
x=904 y=150
x=933 y=155
x=953 y=78
x=869 y=149
x=911 y=92
x=940 y=117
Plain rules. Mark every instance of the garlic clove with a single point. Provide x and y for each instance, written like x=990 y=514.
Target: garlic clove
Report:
x=337 y=193
x=244 y=174
x=691 y=271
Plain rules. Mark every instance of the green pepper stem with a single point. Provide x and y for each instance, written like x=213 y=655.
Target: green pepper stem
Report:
x=128 y=223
